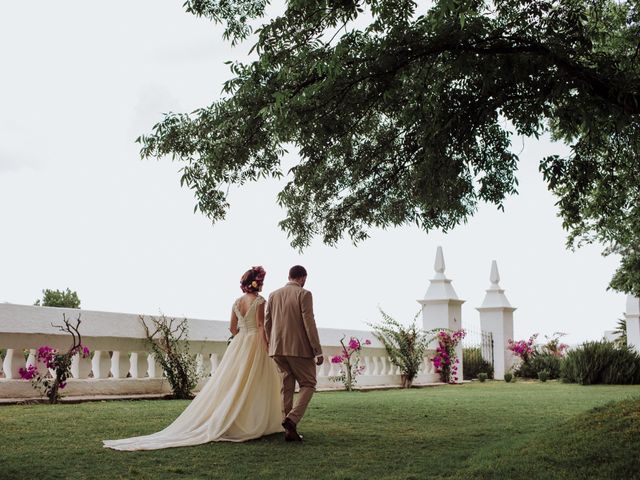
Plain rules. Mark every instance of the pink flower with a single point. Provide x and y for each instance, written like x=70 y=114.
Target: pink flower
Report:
x=354 y=344
x=85 y=352
x=336 y=359
x=30 y=372
x=367 y=342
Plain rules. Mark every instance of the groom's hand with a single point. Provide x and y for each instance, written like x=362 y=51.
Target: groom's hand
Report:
x=319 y=360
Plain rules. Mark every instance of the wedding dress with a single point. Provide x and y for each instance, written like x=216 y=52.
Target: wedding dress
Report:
x=240 y=401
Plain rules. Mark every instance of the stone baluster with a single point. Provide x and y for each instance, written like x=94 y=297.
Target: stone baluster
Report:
x=153 y=367
x=375 y=370
x=138 y=364
x=100 y=364
x=119 y=364
x=204 y=364
x=13 y=362
x=367 y=365
x=383 y=365
x=326 y=367
x=215 y=361
x=80 y=367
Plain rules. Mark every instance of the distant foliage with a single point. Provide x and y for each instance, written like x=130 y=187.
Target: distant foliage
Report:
x=59 y=298
x=170 y=346
x=601 y=362
x=404 y=345
x=621 y=332
x=473 y=364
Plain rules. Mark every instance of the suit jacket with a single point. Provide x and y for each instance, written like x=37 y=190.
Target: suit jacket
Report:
x=289 y=323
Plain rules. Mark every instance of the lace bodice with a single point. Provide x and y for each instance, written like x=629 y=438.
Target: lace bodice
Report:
x=249 y=321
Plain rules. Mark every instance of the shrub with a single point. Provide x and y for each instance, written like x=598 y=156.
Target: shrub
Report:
x=404 y=345
x=543 y=375
x=170 y=347
x=508 y=377
x=473 y=363
x=482 y=376
x=538 y=362
x=601 y=362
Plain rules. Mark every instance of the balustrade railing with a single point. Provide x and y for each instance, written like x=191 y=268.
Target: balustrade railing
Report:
x=120 y=363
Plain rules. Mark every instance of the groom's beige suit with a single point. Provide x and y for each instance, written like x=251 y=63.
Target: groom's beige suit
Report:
x=293 y=344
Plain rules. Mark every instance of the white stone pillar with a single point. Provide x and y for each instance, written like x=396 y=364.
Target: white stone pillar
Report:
x=13 y=362
x=441 y=307
x=138 y=364
x=496 y=316
x=80 y=366
x=100 y=364
x=632 y=317
x=120 y=364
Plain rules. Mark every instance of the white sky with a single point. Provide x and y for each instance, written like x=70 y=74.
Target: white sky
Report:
x=79 y=209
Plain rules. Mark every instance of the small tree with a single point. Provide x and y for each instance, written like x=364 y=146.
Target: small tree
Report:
x=170 y=346
x=404 y=345
x=57 y=361
x=59 y=298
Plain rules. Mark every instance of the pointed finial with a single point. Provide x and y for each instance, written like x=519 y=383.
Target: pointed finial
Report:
x=439 y=265
x=495 y=276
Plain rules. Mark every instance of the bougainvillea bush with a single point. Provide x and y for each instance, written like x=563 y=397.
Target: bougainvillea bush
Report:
x=445 y=360
x=349 y=361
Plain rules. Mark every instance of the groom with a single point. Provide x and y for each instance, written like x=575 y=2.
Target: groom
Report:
x=294 y=345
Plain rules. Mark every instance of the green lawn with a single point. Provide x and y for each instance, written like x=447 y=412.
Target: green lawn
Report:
x=525 y=430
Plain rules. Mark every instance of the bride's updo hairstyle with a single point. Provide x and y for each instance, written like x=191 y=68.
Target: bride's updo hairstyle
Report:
x=252 y=280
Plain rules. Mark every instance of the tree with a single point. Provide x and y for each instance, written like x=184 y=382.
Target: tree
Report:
x=403 y=113
x=59 y=298
x=405 y=346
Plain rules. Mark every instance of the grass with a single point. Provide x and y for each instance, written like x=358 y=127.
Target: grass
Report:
x=488 y=430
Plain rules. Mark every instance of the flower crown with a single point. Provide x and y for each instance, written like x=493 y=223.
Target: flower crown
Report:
x=254 y=281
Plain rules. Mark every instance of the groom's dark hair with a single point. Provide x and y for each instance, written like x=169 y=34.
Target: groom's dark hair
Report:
x=297 y=271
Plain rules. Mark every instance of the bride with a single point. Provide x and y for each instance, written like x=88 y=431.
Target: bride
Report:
x=241 y=400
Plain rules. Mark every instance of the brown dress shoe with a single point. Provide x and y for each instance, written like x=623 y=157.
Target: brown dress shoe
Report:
x=290 y=432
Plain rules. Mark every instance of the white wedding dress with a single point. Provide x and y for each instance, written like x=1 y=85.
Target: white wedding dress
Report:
x=241 y=401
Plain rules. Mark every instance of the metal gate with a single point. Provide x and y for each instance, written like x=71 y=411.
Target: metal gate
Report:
x=477 y=354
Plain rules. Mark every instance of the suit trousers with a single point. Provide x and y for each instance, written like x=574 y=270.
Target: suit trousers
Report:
x=302 y=370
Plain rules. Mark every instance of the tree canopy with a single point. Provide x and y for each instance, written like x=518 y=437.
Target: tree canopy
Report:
x=59 y=298
x=402 y=112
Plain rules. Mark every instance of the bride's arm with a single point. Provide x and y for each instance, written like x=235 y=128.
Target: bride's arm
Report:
x=260 y=320
x=233 y=323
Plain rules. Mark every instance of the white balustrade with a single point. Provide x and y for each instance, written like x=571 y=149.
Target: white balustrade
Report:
x=122 y=364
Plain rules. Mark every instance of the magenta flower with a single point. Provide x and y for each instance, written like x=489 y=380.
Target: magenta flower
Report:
x=367 y=342
x=30 y=372
x=354 y=344
x=336 y=359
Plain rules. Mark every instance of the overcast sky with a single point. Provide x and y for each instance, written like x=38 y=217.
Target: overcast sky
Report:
x=79 y=209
